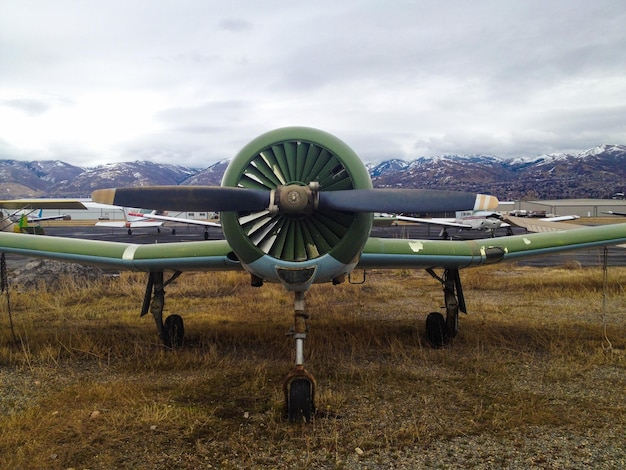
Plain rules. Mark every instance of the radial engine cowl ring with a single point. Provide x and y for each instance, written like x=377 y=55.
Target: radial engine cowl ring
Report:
x=296 y=164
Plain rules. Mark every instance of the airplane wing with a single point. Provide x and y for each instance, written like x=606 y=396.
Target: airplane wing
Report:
x=213 y=255
x=401 y=253
x=182 y=220
x=388 y=253
x=434 y=221
x=134 y=224
x=541 y=225
x=48 y=217
x=42 y=203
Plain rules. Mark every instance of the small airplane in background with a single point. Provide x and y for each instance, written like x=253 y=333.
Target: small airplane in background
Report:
x=623 y=214
x=146 y=218
x=16 y=216
x=21 y=217
x=181 y=220
x=484 y=221
x=132 y=220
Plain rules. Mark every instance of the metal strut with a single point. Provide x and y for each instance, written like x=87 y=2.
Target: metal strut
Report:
x=299 y=385
x=154 y=298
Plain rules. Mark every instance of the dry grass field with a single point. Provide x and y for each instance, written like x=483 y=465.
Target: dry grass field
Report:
x=535 y=379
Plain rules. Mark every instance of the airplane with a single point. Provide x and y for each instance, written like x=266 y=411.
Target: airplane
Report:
x=132 y=220
x=182 y=220
x=623 y=214
x=485 y=221
x=16 y=216
x=18 y=220
x=297 y=207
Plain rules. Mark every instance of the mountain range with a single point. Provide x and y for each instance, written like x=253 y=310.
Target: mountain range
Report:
x=596 y=173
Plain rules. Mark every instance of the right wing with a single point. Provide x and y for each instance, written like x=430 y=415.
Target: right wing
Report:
x=540 y=225
x=434 y=221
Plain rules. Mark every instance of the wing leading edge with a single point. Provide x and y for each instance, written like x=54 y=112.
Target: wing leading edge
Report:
x=212 y=255
x=400 y=253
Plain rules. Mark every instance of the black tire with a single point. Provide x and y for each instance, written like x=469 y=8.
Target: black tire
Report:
x=173 y=331
x=300 y=404
x=206 y=235
x=436 y=330
x=173 y=231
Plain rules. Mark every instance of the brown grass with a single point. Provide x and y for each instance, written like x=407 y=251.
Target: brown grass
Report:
x=88 y=384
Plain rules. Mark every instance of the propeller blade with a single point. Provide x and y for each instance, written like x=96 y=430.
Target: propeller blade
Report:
x=185 y=198
x=404 y=200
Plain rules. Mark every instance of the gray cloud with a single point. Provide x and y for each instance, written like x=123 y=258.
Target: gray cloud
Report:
x=195 y=80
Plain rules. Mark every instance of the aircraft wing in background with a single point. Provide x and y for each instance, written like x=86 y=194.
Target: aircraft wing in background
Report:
x=181 y=220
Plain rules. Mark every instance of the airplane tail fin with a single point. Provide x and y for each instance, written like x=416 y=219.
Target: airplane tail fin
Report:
x=485 y=202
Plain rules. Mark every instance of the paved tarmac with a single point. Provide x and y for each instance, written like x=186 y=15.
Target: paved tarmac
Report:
x=594 y=257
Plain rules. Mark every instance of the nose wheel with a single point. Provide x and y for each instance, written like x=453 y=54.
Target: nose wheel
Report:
x=299 y=385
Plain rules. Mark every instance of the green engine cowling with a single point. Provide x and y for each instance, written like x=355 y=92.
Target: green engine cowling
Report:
x=300 y=248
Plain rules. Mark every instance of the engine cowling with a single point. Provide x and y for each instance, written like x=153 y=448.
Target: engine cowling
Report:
x=294 y=242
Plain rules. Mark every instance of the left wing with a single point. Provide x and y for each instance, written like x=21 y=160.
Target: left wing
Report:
x=400 y=253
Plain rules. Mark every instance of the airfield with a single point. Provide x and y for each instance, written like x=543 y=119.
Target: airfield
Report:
x=535 y=378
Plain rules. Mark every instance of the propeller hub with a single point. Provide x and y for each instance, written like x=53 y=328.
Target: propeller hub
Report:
x=295 y=199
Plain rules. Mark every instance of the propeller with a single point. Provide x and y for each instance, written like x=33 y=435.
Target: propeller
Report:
x=185 y=198
x=403 y=200
x=294 y=199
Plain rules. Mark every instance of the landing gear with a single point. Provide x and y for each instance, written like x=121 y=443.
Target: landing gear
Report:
x=171 y=332
x=436 y=330
x=440 y=331
x=206 y=234
x=299 y=385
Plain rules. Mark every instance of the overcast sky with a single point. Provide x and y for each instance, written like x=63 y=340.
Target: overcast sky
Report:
x=192 y=81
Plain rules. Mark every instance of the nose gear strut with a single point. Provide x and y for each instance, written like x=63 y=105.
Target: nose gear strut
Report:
x=299 y=385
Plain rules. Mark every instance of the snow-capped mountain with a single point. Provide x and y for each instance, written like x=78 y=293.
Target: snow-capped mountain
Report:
x=598 y=173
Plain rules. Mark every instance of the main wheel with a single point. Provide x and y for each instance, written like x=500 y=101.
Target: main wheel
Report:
x=173 y=331
x=436 y=330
